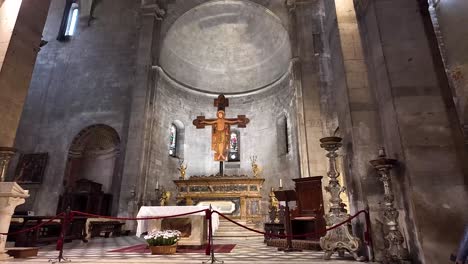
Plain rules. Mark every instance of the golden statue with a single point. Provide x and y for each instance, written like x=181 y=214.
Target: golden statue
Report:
x=255 y=168
x=182 y=169
x=274 y=206
x=165 y=195
x=221 y=128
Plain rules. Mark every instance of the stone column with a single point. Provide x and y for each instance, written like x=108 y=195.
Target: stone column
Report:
x=6 y=154
x=136 y=163
x=20 y=37
x=11 y=195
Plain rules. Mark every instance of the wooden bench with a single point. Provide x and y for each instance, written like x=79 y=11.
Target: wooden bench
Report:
x=22 y=252
x=46 y=234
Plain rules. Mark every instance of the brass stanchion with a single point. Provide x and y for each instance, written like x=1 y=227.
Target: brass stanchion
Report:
x=61 y=241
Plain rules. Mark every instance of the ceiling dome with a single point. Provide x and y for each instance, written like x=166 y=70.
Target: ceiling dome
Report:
x=226 y=46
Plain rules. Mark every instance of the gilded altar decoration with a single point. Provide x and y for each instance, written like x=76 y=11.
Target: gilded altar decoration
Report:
x=221 y=128
x=182 y=169
x=165 y=195
x=244 y=192
x=255 y=168
x=274 y=207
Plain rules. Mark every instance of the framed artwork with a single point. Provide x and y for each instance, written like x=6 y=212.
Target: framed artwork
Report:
x=31 y=168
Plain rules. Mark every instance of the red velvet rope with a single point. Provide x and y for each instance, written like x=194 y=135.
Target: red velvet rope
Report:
x=137 y=218
x=301 y=235
x=34 y=227
x=72 y=214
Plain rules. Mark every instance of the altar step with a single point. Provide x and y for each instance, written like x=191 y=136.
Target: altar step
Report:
x=228 y=230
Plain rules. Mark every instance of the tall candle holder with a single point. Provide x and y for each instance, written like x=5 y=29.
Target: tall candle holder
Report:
x=394 y=250
x=339 y=239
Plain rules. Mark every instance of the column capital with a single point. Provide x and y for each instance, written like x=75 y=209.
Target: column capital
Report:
x=153 y=10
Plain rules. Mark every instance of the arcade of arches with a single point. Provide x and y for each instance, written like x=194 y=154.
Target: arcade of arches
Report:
x=109 y=90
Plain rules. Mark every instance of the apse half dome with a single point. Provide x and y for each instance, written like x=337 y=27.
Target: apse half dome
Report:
x=226 y=46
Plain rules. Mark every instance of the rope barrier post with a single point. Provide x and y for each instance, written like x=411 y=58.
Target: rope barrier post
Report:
x=63 y=231
x=368 y=235
x=210 y=246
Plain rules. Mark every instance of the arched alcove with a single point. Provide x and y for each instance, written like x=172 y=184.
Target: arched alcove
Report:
x=92 y=156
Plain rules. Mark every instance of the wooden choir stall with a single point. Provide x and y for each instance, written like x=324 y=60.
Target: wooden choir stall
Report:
x=306 y=218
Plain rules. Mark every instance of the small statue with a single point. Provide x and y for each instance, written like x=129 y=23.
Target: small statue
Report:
x=255 y=167
x=165 y=195
x=182 y=169
x=274 y=207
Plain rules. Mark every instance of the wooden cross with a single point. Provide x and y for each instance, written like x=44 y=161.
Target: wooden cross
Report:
x=220 y=128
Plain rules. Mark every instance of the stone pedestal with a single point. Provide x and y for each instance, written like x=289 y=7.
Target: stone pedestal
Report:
x=11 y=195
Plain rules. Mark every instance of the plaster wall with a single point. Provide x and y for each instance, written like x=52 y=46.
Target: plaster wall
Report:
x=77 y=83
x=99 y=169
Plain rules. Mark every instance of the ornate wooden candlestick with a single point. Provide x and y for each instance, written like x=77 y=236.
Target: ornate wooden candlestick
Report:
x=338 y=239
x=394 y=251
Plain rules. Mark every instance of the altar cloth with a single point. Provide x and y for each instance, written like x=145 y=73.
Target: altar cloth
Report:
x=158 y=211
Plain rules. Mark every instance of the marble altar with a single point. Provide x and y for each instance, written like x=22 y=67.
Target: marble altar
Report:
x=193 y=227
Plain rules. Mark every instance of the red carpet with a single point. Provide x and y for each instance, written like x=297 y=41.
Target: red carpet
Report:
x=143 y=248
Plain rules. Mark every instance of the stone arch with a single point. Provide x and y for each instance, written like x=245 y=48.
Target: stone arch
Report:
x=92 y=155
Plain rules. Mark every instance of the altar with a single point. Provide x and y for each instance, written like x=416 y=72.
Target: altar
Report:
x=238 y=197
x=193 y=227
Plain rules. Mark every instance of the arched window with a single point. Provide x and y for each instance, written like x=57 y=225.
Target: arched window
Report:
x=173 y=141
x=234 y=146
x=282 y=132
x=69 y=20
x=176 y=139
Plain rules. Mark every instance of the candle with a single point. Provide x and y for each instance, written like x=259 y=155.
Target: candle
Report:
x=281 y=183
x=157 y=184
x=382 y=152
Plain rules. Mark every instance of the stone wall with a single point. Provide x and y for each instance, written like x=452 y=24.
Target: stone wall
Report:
x=84 y=81
x=419 y=125
x=447 y=17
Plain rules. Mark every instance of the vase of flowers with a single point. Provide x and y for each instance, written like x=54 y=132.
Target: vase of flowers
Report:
x=163 y=242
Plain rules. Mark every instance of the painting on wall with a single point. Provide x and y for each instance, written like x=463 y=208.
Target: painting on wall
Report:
x=31 y=168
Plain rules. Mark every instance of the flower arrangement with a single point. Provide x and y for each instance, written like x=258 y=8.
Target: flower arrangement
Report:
x=162 y=238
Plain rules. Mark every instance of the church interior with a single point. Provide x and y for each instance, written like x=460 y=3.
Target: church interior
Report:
x=267 y=131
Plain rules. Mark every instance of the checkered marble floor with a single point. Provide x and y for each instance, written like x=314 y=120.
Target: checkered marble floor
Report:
x=246 y=251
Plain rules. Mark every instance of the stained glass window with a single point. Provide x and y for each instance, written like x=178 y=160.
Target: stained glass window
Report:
x=234 y=154
x=172 y=141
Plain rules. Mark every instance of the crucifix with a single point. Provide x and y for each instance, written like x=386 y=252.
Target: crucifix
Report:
x=220 y=129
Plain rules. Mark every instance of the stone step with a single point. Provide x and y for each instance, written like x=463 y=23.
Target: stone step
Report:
x=228 y=230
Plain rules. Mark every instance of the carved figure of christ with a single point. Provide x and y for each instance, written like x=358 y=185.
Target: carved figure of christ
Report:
x=221 y=131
